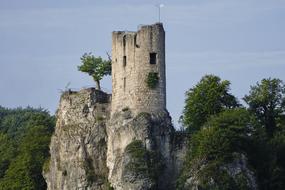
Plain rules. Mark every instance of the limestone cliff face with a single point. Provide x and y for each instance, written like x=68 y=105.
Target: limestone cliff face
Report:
x=78 y=147
x=151 y=134
x=90 y=150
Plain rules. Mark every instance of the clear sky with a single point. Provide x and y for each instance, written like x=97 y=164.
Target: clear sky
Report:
x=41 y=42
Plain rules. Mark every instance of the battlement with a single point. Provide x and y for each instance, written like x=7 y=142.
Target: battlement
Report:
x=140 y=27
x=134 y=56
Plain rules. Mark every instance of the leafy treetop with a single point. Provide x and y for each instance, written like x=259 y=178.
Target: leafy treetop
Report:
x=209 y=97
x=267 y=101
x=95 y=67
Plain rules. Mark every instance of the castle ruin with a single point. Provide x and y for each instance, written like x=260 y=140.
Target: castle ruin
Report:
x=135 y=55
x=96 y=140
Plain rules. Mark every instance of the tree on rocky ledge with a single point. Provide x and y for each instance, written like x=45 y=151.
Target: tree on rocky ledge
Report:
x=95 y=67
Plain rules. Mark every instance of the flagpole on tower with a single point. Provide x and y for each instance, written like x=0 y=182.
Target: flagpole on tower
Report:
x=159 y=6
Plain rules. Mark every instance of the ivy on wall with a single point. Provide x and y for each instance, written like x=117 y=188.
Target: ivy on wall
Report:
x=152 y=80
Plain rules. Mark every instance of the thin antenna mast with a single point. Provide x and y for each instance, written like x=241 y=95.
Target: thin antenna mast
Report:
x=159 y=6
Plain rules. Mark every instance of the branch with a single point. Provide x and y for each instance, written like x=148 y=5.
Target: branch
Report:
x=109 y=56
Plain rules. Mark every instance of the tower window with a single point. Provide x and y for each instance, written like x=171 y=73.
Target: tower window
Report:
x=124 y=61
x=135 y=41
x=124 y=83
x=152 y=58
x=124 y=41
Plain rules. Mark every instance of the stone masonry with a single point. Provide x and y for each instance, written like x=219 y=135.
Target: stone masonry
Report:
x=131 y=55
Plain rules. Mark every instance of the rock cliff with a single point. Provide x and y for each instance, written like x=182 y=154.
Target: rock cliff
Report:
x=90 y=150
x=148 y=133
x=78 y=147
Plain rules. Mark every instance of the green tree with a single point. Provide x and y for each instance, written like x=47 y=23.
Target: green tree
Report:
x=7 y=152
x=267 y=101
x=24 y=146
x=95 y=67
x=209 y=97
x=223 y=134
x=277 y=162
x=25 y=170
x=223 y=137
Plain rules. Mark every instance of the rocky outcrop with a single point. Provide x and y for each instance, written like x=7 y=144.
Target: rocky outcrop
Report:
x=90 y=150
x=237 y=173
x=78 y=147
x=93 y=151
x=153 y=134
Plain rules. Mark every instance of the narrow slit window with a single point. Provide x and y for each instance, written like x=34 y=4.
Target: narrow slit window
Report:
x=124 y=61
x=124 y=83
x=124 y=41
x=135 y=41
x=152 y=58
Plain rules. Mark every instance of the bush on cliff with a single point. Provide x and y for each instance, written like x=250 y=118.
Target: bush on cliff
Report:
x=221 y=141
x=221 y=135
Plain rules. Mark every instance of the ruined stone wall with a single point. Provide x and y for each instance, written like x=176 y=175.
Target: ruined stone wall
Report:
x=129 y=76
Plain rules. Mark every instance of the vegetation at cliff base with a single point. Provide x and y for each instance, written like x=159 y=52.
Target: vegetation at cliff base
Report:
x=145 y=163
x=24 y=146
x=223 y=133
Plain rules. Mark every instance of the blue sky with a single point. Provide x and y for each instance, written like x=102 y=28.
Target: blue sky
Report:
x=41 y=43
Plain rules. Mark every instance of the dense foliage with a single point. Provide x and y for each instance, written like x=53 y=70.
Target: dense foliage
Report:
x=144 y=162
x=227 y=133
x=210 y=96
x=95 y=67
x=24 y=139
x=267 y=101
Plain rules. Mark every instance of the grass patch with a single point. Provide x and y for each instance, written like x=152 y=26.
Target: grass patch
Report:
x=46 y=165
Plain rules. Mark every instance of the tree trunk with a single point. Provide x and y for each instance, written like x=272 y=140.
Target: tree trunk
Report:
x=269 y=122
x=98 y=87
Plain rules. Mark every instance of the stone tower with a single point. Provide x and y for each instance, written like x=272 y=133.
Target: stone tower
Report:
x=136 y=55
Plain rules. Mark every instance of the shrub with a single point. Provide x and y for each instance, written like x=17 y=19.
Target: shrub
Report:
x=143 y=162
x=152 y=80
